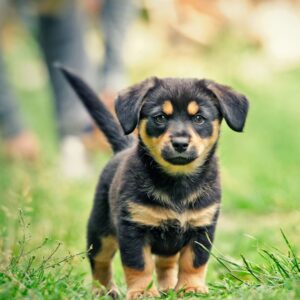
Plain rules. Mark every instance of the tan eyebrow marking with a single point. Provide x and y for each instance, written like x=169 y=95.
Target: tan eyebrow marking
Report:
x=167 y=107
x=192 y=108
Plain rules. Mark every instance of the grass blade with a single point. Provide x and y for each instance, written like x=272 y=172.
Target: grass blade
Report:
x=248 y=267
x=295 y=258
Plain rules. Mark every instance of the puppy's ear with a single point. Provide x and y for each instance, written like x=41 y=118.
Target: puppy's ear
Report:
x=233 y=106
x=129 y=103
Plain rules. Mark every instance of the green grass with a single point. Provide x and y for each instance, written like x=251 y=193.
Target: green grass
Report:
x=42 y=273
x=252 y=259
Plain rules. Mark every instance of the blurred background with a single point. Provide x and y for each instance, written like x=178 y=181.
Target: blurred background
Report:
x=51 y=154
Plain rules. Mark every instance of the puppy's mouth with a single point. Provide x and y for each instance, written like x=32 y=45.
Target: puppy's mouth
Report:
x=179 y=160
x=176 y=158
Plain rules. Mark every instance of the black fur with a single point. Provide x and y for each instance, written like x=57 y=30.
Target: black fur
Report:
x=233 y=105
x=129 y=104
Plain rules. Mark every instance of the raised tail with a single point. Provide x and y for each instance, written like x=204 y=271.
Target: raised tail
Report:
x=101 y=115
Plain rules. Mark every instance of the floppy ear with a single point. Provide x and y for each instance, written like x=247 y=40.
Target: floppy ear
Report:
x=129 y=103
x=233 y=106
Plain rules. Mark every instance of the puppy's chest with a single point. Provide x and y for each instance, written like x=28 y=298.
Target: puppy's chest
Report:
x=166 y=217
x=168 y=240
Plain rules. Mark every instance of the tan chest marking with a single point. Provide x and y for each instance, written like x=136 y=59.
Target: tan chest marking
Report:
x=155 y=216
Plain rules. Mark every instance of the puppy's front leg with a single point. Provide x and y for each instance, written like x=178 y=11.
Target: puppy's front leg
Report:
x=137 y=263
x=193 y=262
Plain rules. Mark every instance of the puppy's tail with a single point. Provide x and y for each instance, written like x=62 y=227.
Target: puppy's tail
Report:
x=101 y=115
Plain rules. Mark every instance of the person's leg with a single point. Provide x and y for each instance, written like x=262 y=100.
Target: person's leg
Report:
x=61 y=39
x=18 y=141
x=11 y=121
x=115 y=18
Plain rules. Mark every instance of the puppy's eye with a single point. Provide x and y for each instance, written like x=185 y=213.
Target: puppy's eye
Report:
x=198 y=119
x=160 y=119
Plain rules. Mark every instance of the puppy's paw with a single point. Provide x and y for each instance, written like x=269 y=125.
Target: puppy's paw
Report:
x=100 y=291
x=113 y=292
x=166 y=284
x=198 y=289
x=202 y=289
x=141 y=294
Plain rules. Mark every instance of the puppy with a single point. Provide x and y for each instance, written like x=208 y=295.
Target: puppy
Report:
x=160 y=194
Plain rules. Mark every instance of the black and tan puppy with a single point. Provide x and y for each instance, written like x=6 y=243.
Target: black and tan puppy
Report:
x=160 y=194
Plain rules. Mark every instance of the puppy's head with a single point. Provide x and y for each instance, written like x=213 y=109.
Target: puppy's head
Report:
x=179 y=119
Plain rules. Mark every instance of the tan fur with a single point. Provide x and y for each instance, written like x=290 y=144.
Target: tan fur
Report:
x=192 y=108
x=191 y=279
x=102 y=270
x=138 y=280
x=167 y=108
x=166 y=270
x=193 y=197
x=204 y=145
x=156 y=144
x=155 y=216
x=164 y=198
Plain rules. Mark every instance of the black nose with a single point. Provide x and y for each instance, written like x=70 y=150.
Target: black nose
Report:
x=180 y=144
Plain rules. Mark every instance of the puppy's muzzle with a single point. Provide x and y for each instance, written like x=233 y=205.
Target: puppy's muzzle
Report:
x=180 y=144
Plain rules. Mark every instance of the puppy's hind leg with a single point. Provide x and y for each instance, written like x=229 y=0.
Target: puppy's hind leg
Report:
x=101 y=241
x=101 y=256
x=102 y=261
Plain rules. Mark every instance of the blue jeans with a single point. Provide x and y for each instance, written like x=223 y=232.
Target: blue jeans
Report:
x=11 y=121
x=115 y=18
x=60 y=36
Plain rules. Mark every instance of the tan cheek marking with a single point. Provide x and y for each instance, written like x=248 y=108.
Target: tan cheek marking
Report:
x=154 y=144
x=190 y=278
x=166 y=270
x=168 y=108
x=155 y=216
x=138 y=280
x=192 y=108
x=204 y=145
x=102 y=261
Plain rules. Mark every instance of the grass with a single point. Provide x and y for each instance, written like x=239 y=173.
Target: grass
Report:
x=41 y=273
x=42 y=248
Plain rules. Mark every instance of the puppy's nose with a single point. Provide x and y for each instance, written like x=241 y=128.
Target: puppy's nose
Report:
x=180 y=144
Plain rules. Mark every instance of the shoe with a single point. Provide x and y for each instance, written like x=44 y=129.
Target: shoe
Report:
x=23 y=146
x=73 y=161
